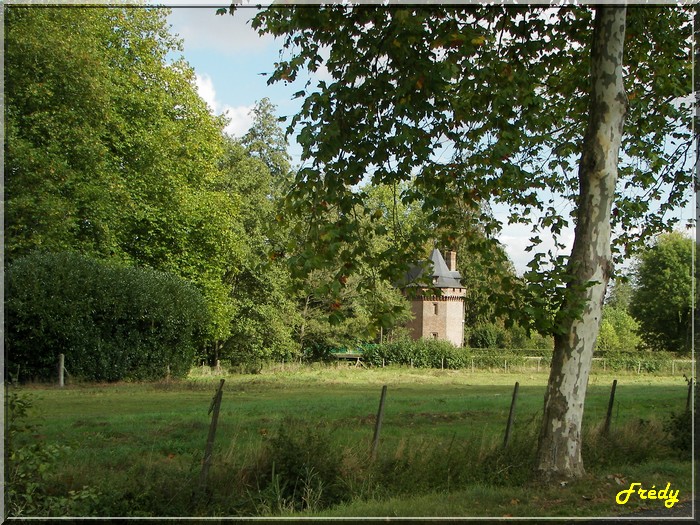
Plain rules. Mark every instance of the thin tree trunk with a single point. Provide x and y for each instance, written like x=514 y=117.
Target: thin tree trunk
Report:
x=590 y=265
x=302 y=328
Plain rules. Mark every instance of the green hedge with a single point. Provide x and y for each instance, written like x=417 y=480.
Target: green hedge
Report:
x=427 y=353
x=422 y=353
x=111 y=322
x=642 y=361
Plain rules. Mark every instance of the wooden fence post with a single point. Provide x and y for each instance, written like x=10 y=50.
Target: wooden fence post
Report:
x=206 y=463
x=690 y=395
x=61 y=369
x=511 y=415
x=606 y=428
x=378 y=423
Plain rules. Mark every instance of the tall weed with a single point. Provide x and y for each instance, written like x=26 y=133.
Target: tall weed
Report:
x=301 y=469
x=629 y=444
x=29 y=469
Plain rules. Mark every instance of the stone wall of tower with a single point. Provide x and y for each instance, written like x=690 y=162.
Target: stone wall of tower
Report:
x=439 y=317
x=454 y=321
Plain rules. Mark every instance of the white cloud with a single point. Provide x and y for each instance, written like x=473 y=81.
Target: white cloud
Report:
x=205 y=88
x=240 y=117
x=241 y=120
x=201 y=29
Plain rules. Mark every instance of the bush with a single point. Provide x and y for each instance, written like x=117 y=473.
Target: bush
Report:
x=680 y=427
x=302 y=469
x=111 y=322
x=317 y=351
x=486 y=336
x=420 y=353
x=641 y=361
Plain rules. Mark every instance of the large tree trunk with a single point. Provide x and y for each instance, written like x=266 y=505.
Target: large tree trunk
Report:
x=559 y=452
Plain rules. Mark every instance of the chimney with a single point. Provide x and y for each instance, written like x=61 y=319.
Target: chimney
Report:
x=451 y=260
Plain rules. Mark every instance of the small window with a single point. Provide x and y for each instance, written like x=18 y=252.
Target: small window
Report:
x=435 y=335
x=435 y=308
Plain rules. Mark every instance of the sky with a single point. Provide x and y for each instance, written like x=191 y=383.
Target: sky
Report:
x=230 y=60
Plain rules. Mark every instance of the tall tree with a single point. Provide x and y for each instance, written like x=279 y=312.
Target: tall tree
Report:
x=620 y=293
x=590 y=264
x=662 y=298
x=110 y=151
x=267 y=141
x=488 y=102
x=264 y=317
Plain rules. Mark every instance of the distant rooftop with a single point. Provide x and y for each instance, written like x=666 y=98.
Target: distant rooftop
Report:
x=442 y=276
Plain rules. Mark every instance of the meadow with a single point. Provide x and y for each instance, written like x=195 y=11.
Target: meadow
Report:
x=296 y=441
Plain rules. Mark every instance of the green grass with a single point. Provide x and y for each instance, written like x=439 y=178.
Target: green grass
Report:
x=593 y=496
x=140 y=445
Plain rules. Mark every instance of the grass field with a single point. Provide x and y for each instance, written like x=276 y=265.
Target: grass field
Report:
x=298 y=443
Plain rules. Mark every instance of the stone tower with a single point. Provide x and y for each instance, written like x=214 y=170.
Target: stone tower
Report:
x=439 y=316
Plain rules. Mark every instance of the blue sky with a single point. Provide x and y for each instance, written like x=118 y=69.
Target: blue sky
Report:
x=228 y=57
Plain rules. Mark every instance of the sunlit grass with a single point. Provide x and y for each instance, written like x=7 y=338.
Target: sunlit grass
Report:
x=142 y=443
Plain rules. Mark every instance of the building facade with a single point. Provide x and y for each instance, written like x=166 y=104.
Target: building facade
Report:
x=438 y=316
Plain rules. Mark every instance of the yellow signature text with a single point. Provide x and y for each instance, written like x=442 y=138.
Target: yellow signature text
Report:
x=670 y=497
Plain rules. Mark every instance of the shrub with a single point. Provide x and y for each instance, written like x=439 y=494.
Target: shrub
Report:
x=641 y=361
x=680 y=427
x=420 y=353
x=317 y=351
x=302 y=470
x=111 y=322
x=486 y=335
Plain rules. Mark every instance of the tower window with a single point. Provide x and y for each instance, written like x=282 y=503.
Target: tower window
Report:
x=435 y=308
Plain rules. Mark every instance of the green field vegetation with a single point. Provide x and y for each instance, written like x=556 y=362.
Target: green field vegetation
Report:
x=298 y=442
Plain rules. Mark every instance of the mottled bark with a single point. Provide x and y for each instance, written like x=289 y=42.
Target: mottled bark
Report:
x=559 y=452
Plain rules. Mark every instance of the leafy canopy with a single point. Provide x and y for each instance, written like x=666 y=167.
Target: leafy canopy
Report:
x=110 y=151
x=662 y=297
x=481 y=104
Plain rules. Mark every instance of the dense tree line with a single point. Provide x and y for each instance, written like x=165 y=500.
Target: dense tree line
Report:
x=113 y=162
x=662 y=297
x=651 y=308
x=110 y=152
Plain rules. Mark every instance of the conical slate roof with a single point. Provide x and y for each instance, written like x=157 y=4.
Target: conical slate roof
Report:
x=442 y=277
